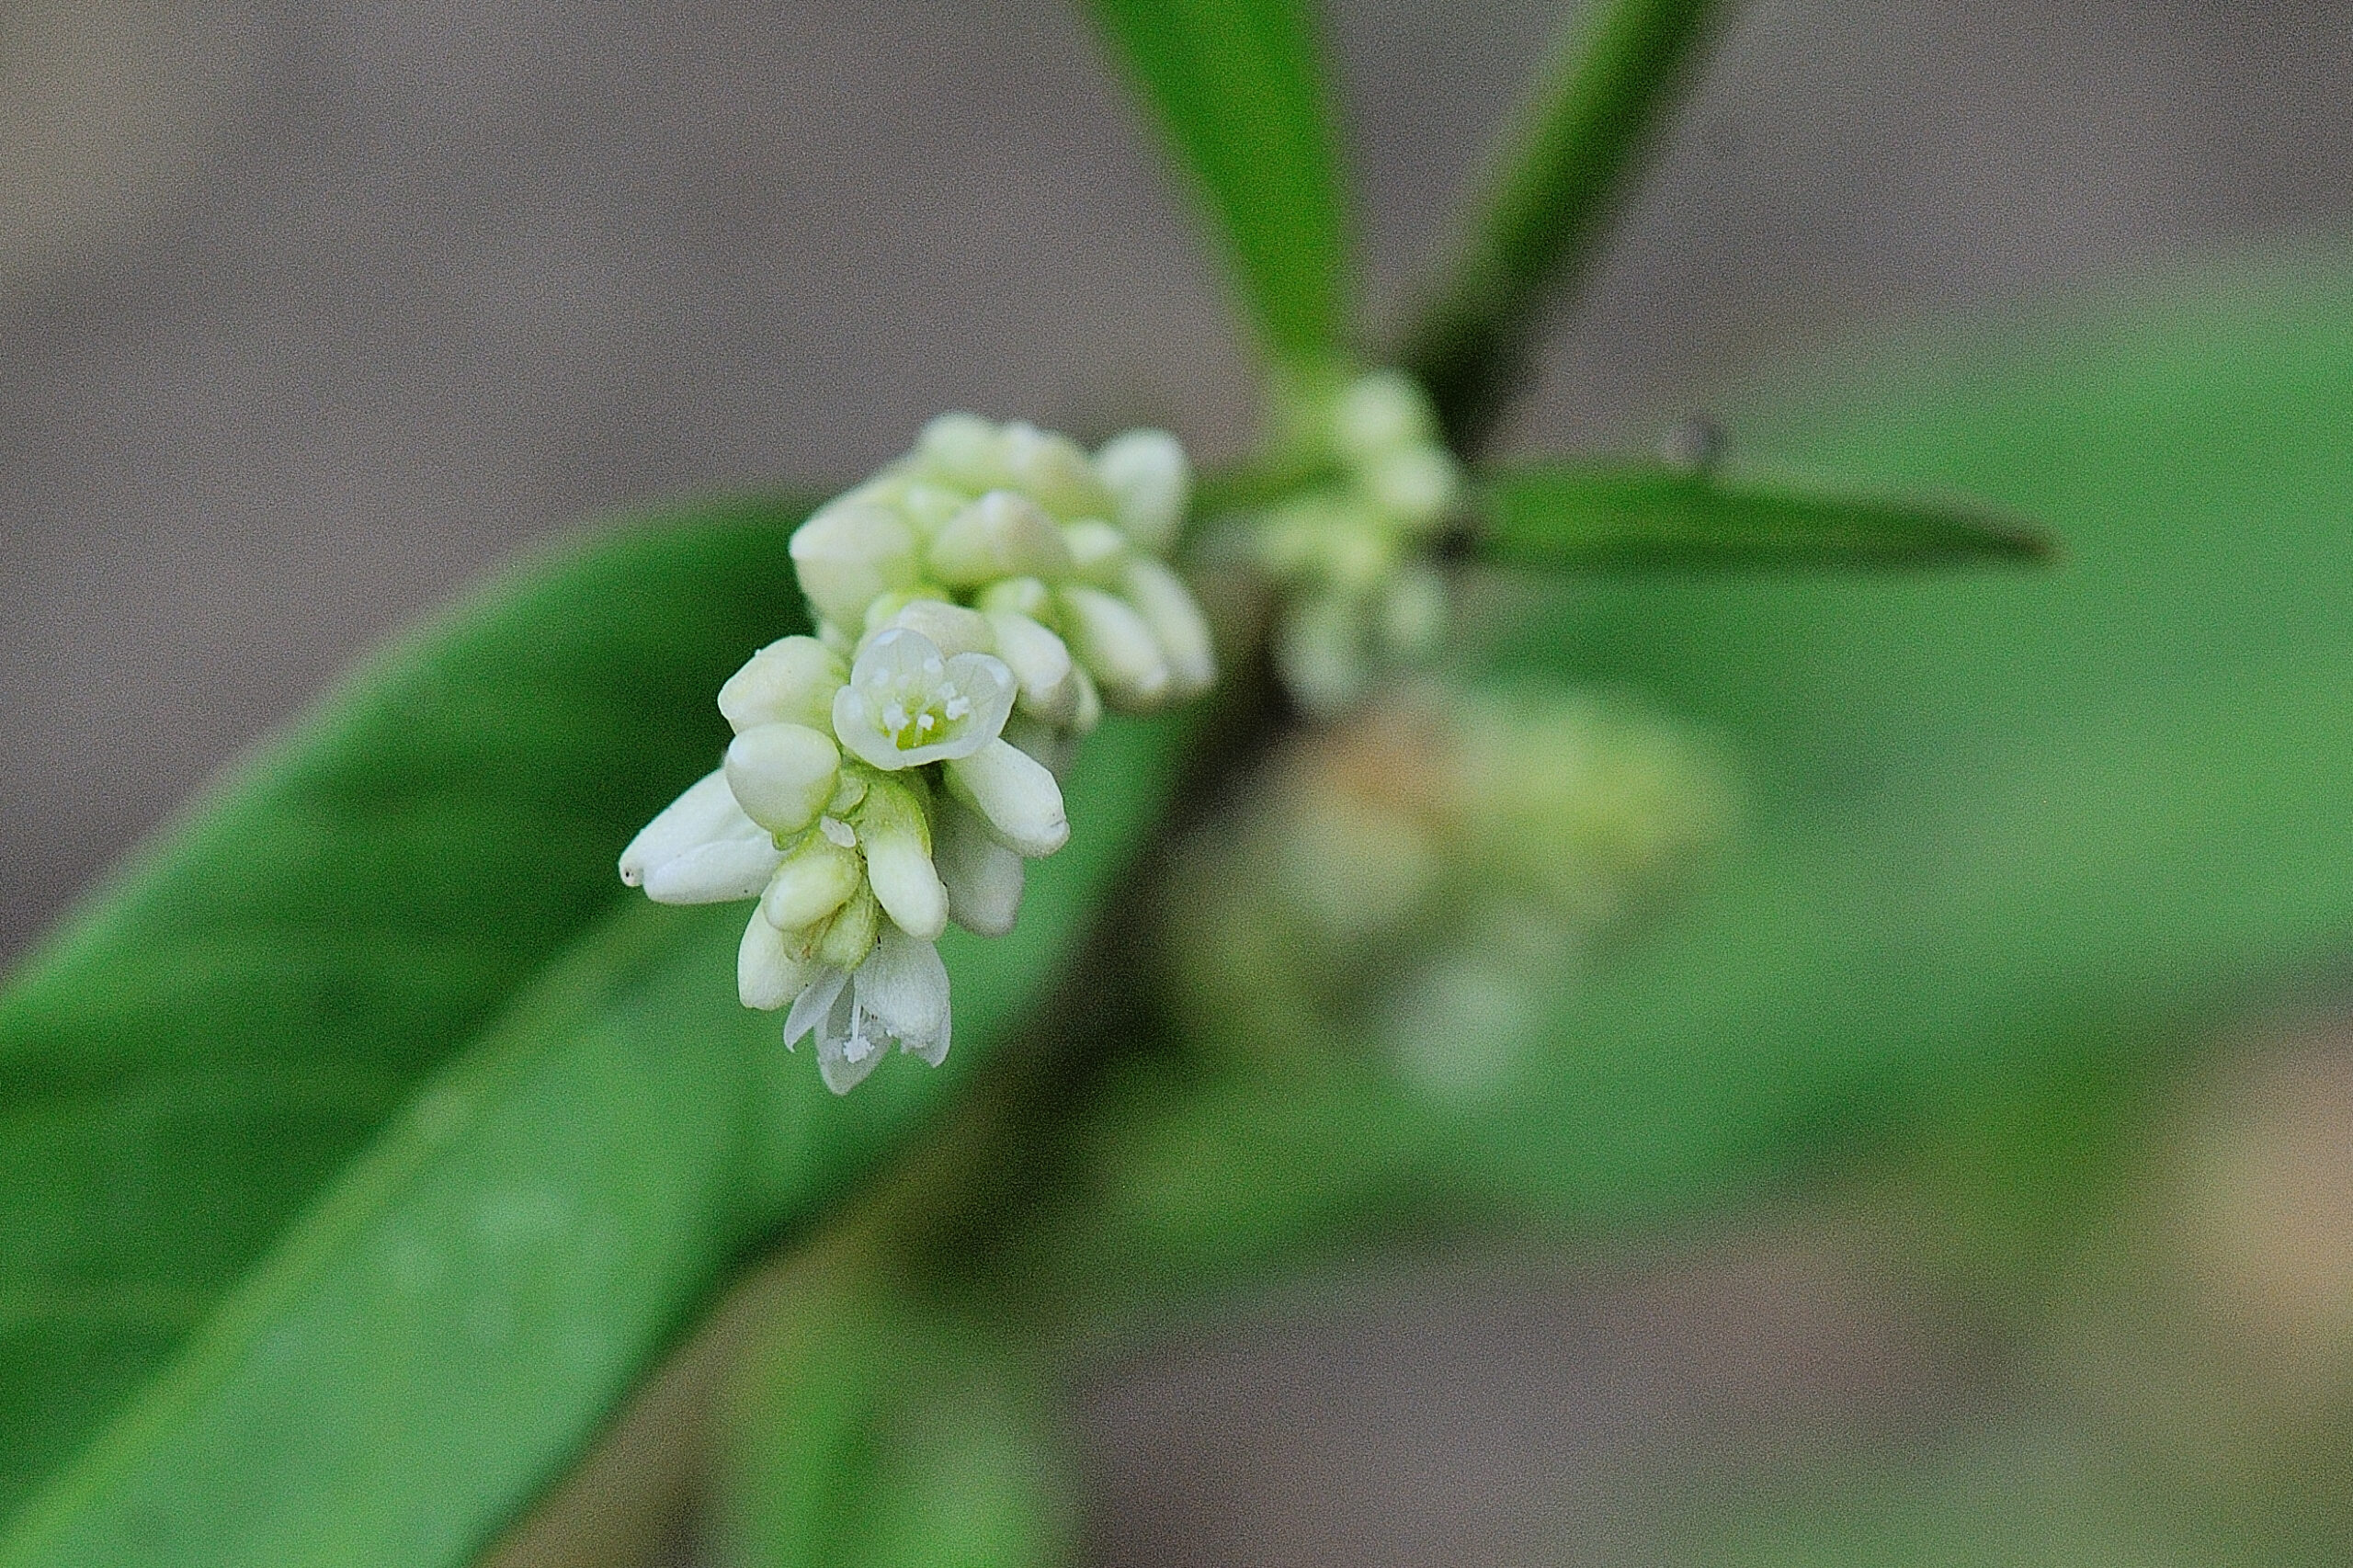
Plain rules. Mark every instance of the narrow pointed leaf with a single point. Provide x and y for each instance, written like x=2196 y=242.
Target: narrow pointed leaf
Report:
x=1238 y=87
x=1575 y=517
x=372 y=1138
x=1557 y=181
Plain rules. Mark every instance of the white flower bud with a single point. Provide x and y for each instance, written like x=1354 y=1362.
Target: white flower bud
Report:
x=768 y=972
x=1003 y=534
x=782 y=775
x=1041 y=666
x=848 y=940
x=1052 y=470
x=792 y=680
x=1090 y=703
x=1098 y=551
x=1015 y=795
x=897 y=835
x=1417 y=484
x=1321 y=654
x=983 y=877
x=904 y=986
x=1015 y=595
x=963 y=449
x=1413 y=613
x=1152 y=485
x=951 y=629
x=705 y=810
x=1168 y=606
x=816 y=879
x=700 y=850
x=905 y=705
x=1053 y=744
x=851 y=553
x=1118 y=648
x=929 y=506
x=1380 y=413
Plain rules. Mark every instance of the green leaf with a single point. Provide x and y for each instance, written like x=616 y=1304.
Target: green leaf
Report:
x=414 y=900
x=1556 y=183
x=1238 y=85
x=186 y=1064
x=880 y=1431
x=2017 y=839
x=1572 y=517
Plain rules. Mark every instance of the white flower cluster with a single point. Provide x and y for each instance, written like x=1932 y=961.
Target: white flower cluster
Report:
x=1351 y=554
x=980 y=603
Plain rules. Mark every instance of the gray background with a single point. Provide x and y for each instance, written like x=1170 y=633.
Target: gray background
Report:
x=307 y=313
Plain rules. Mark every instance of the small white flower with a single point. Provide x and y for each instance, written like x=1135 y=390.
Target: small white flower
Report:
x=1051 y=470
x=819 y=877
x=899 y=994
x=905 y=705
x=951 y=629
x=702 y=849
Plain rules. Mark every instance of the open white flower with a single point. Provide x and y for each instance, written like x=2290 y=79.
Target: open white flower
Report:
x=906 y=705
x=898 y=995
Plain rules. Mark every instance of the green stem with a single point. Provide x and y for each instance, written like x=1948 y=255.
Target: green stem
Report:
x=1549 y=204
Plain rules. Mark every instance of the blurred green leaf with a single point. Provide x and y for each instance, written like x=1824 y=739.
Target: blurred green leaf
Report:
x=418 y=889
x=879 y=1432
x=1564 y=515
x=1557 y=181
x=1239 y=89
x=2017 y=839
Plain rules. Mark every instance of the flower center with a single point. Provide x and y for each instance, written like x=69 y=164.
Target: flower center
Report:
x=917 y=716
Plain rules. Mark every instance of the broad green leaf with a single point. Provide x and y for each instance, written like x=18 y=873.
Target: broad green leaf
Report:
x=1564 y=515
x=2017 y=839
x=257 y=992
x=599 y=1128
x=1557 y=182
x=883 y=1431
x=1238 y=87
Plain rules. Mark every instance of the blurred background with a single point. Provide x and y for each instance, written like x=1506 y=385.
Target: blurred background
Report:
x=308 y=314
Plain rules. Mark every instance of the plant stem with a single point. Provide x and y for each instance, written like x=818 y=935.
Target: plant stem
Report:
x=1549 y=203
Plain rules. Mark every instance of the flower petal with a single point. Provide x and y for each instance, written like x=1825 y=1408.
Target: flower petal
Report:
x=850 y=554
x=818 y=878
x=904 y=986
x=848 y=1049
x=783 y=775
x=1040 y=665
x=816 y=1001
